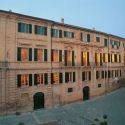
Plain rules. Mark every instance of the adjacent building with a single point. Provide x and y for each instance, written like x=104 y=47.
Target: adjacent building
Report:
x=44 y=63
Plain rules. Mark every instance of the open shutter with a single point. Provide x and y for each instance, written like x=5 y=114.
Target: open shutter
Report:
x=45 y=78
x=35 y=79
x=97 y=75
x=65 y=54
x=18 y=54
x=30 y=79
x=60 y=33
x=45 y=55
x=30 y=28
x=30 y=54
x=74 y=77
x=51 y=55
x=83 y=76
x=60 y=78
x=73 y=61
x=52 y=78
x=60 y=55
x=89 y=75
x=108 y=57
x=19 y=27
x=35 y=55
x=102 y=74
x=18 y=80
x=81 y=58
x=45 y=31
x=88 y=64
x=100 y=58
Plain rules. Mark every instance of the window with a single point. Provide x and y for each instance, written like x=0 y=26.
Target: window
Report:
x=97 y=58
x=109 y=74
x=60 y=77
x=68 y=77
x=102 y=74
x=99 y=85
x=24 y=54
x=88 y=38
x=70 y=90
x=25 y=28
x=54 y=78
x=40 y=55
x=98 y=74
x=24 y=80
x=97 y=39
x=55 y=33
x=105 y=57
x=41 y=30
x=112 y=57
x=86 y=75
x=68 y=34
x=54 y=55
x=38 y=79
x=81 y=36
x=85 y=58
x=105 y=42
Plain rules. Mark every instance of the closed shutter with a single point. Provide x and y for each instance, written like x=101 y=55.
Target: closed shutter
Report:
x=19 y=27
x=103 y=57
x=105 y=74
x=35 y=30
x=73 y=61
x=35 y=79
x=45 y=55
x=111 y=57
x=60 y=78
x=51 y=55
x=18 y=54
x=66 y=77
x=45 y=78
x=100 y=58
x=81 y=58
x=45 y=31
x=108 y=57
x=52 y=32
x=74 y=77
x=52 y=78
x=109 y=74
x=88 y=63
x=83 y=76
x=97 y=75
x=60 y=55
x=30 y=79
x=60 y=33
x=64 y=33
x=81 y=36
x=30 y=28
x=88 y=37
x=89 y=75
x=72 y=35
x=30 y=54
x=102 y=74
x=65 y=54
x=119 y=58
x=18 y=80
x=35 y=55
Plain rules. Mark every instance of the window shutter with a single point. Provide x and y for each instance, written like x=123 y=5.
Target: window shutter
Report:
x=45 y=55
x=73 y=61
x=105 y=74
x=74 y=77
x=97 y=75
x=89 y=75
x=100 y=58
x=83 y=76
x=60 y=78
x=88 y=37
x=111 y=57
x=96 y=58
x=108 y=57
x=52 y=78
x=72 y=35
x=30 y=28
x=65 y=53
x=60 y=33
x=119 y=58
x=30 y=54
x=35 y=30
x=51 y=55
x=19 y=27
x=18 y=80
x=18 y=54
x=60 y=55
x=102 y=74
x=52 y=32
x=81 y=36
x=81 y=58
x=45 y=78
x=103 y=57
x=88 y=63
x=35 y=79
x=66 y=77
x=30 y=79
x=35 y=55
x=108 y=73
x=64 y=33
x=45 y=31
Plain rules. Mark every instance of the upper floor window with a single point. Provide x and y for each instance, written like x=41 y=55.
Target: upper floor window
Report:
x=69 y=77
x=68 y=34
x=56 y=55
x=85 y=58
x=56 y=33
x=105 y=57
x=24 y=54
x=88 y=38
x=86 y=75
x=97 y=39
x=41 y=30
x=98 y=58
x=25 y=28
x=105 y=42
x=38 y=78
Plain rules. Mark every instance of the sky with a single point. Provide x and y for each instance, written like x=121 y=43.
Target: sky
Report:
x=103 y=15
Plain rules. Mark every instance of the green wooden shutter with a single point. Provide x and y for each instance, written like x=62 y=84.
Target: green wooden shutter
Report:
x=72 y=35
x=52 y=55
x=65 y=34
x=108 y=57
x=52 y=32
x=66 y=77
x=19 y=27
x=65 y=53
x=35 y=55
x=100 y=58
x=18 y=54
x=81 y=36
x=45 y=55
x=103 y=57
x=111 y=57
x=105 y=74
x=18 y=80
x=88 y=63
x=83 y=76
x=60 y=33
x=119 y=58
x=96 y=58
x=52 y=78
x=30 y=28
x=60 y=78
x=88 y=37
x=30 y=54
x=35 y=29
x=35 y=79
x=73 y=61
x=81 y=58
x=45 y=31
x=89 y=75
x=102 y=74
x=60 y=55
x=109 y=74
x=45 y=78
x=74 y=77
x=30 y=79
x=97 y=75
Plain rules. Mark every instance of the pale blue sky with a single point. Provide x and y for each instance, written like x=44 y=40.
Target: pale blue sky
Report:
x=105 y=15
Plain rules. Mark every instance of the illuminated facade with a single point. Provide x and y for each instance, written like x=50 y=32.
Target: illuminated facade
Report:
x=45 y=63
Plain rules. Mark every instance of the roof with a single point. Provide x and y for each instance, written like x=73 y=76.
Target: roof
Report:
x=58 y=23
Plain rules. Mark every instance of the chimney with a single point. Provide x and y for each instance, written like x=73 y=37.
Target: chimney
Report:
x=62 y=20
